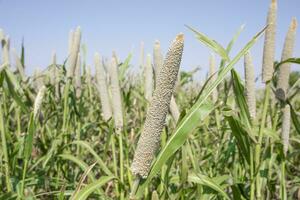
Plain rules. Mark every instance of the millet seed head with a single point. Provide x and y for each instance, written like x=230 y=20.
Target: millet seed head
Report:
x=285 y=127
x=269 y=43
x=148 y=142
x=102 y=87
x=116 y=94
x=72 y=60
x=284 y=69
x=148 y=78
x=250 y=85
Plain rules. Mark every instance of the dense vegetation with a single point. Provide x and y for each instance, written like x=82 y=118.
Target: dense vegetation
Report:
x=153 y=134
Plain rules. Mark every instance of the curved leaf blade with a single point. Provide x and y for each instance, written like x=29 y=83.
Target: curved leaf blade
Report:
x=212 y=44
x=206 y=181
x=91 y=151
x=90 y=188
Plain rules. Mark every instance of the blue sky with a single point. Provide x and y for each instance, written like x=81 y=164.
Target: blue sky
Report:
x=122 y=25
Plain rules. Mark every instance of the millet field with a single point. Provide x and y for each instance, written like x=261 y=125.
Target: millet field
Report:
x=104 y=131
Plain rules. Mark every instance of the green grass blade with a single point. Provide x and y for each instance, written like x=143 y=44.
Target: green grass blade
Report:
x=235 y=37
x=8 y=196
x=206 y=181
x=180 y=135
x=89 y=189
x=28 y=149
x=239 y=92
x=4 y=151
x=231 y=43
x=29 y=138
x=82 y=179
x=243 y=141
x=124 y=67
x=289 y=60
x=14 y=88
x=23 y=53
x=79 y=162
x=98 y=159
x=295 y=119
x=212 y=44
x=223 y=72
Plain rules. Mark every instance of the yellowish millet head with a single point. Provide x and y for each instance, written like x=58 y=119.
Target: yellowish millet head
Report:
x=285 y=128
x=157 y=59
x=102 y=87
x=174 y=110
x=53 y=58
x=284 y=69
x=53 y=68
x=274 y=3
x=250 y=85
x=141 y=61
x=78 y=76
x=88 y=77
x=157 y=43
x=148 y=78
x=269 y=43
x=57 y=74
x=294 y=24
x=71 y=41
x=115 y=56
x=180 y=37
x=149 y=140
x=38 y=101
x=116 y=94
x=72 y=60
x=97 y=61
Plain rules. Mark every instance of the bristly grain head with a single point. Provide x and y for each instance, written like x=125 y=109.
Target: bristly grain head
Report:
x=180 y=37
x=157 y=59
x=141 y=61
x=285 y=127
x=294 y=24
x=284 y=69
x=148 y=142
x=88 y=75
x=98 y=67
x=115 y=56
x=72 y=60
x=37 y=80
x=53 y=68
x=156 y=45
x=250 y=85
x=38 y=101
x=116 y=94
x=78 y=76
x=57 y=74
x=269 y=43
x=274 y=4
x=71 y=41
x=102 y=87
x=174 y=109
x=53 y=58
x=148 y=73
